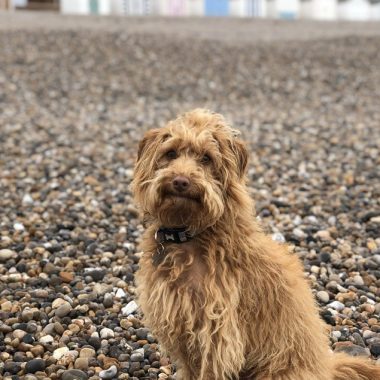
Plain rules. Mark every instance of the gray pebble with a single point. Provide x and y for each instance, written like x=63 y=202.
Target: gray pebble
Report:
x=74 y=374
x=109 y=373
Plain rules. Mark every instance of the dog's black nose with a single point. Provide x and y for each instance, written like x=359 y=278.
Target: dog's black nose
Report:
x=181 y=183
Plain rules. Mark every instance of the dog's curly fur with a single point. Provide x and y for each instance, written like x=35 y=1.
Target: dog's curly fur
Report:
x=231 y=303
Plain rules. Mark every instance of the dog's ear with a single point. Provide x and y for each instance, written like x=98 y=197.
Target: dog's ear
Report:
x=147 y=142
x=240 y=151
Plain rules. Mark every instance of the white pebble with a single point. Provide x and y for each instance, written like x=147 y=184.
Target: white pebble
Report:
x=60 y=352
x=299 y=233
x=279 y=237
x=130 y=308
x=336 y=305
x=120 y=293
x=46 y=339
x=27 y=200
x=18 y=226
x=106 y=333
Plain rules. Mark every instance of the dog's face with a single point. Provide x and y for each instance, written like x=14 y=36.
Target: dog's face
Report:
x=186 y=171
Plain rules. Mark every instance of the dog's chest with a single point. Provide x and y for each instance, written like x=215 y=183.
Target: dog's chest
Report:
x=185 y=268
x=194 y=277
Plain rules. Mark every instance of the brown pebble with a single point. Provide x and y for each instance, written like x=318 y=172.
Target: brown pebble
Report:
x=66 y=276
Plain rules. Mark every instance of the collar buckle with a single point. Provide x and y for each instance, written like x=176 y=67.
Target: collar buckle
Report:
x=172 y=235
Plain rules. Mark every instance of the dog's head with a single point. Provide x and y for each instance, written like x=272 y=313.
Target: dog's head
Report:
x=187 y=170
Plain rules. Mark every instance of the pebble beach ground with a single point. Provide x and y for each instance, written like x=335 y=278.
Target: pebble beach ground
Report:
x=76 y=94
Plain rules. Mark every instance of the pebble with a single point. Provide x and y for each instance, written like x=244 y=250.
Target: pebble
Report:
x=323 y=296
x=27 y=200
x=324 y=235
x=19 y=227
x=74 y=374
x=94 y=342
x=87 y=352
x=12 y=367
x=336 y=305
x=352 y=349
x=60 y=352
x=109 y=373
x=95 y=274
x=19 y=334
x=137 y=357
x=336 y=334
x=30 y=377
x=46 y=339
x=279 y=237
x=130 y=308
x=35 y=365
x=375 y=349
x=358 y=280
x=106 y=333
x=81 y=363
x=108 y=300
x=63 y=310
x=368 y=334
x=299 y=233
x=7 y=254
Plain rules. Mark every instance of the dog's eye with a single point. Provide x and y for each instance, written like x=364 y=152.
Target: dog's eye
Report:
x=171 y=154
x=206 y=159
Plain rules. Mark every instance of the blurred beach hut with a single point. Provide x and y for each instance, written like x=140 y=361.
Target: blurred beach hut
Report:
x=171 y=7
x=283 y=9
x=375 y=10
x=85 y=7
x=354 y=10
x=318 y=9
x=100 y=7
x=218 y=8
x=38 y=5
x=247 y=8
x=6 y=4
x=195 y=7
x=132 y=7
x=75 y=7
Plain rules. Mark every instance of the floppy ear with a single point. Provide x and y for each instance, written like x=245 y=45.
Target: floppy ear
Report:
x=147 y=141
x=241 y=154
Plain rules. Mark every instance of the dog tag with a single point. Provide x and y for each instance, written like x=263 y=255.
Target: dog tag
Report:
x=159 y=255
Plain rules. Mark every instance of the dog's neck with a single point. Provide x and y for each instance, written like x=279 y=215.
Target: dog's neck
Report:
x=164 y=236
x=176 y=235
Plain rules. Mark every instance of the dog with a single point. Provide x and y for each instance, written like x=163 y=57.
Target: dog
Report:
x=223 y=299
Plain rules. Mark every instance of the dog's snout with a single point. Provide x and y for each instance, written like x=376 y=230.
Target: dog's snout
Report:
x=181 y=183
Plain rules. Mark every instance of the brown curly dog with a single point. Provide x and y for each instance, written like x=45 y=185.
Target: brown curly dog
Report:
x=223 y=299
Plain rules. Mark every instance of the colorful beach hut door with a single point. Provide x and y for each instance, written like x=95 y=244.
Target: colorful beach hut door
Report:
x=216 y=7
x=94 y=7
x=176 y=7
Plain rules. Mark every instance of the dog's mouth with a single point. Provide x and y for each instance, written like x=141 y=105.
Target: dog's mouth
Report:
x=181 y=196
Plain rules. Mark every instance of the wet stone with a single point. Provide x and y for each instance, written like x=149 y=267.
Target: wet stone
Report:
x=35 y=365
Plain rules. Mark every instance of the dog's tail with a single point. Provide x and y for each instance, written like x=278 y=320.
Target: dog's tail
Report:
x=354 y=368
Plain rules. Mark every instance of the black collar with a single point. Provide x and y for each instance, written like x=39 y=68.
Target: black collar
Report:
x=172 y=235
x=168 y=235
